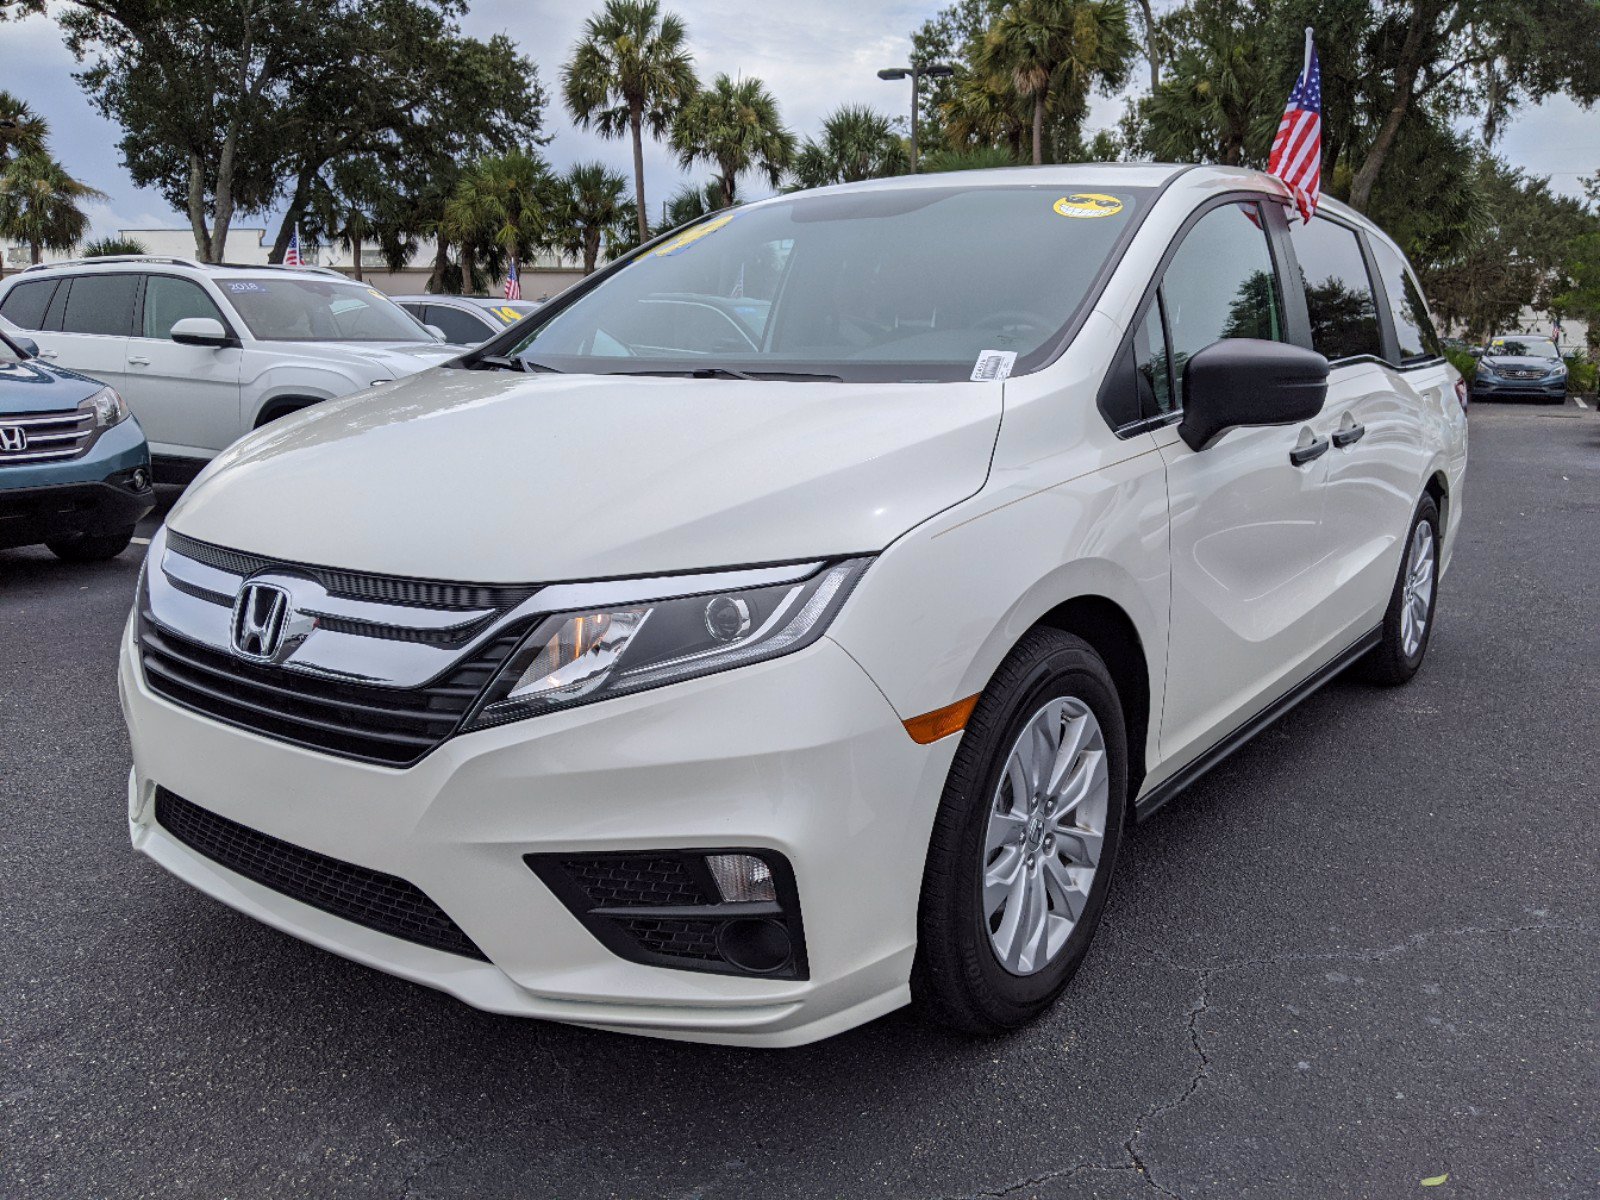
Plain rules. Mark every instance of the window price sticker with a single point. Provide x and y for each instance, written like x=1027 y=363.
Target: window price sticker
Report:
x=993 y=365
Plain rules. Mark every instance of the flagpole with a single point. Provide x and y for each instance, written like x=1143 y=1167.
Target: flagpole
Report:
x=1305 y=72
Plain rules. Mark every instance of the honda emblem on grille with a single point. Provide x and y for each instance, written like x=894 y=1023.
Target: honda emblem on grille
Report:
x=260 y=615
x=13 y=438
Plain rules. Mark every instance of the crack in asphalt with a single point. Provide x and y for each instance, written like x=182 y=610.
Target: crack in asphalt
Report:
x=1202 y=1004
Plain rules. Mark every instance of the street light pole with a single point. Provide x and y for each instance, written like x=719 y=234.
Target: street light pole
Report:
x=932 y=71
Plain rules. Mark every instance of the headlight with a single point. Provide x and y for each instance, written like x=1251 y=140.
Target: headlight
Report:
x=108 y=408
x=1559 y=370
x=575 y=658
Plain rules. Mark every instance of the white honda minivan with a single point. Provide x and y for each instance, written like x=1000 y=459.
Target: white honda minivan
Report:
x=785 y=623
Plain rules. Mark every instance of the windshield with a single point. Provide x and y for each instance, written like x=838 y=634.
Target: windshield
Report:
x=1523 y=348
x=936 y=283
x=311 y=310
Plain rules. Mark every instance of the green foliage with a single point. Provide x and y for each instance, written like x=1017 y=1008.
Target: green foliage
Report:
x=981 y=159
x=734 y=126
x=856 y=143
x=1462 y=361
x=1580 y=295
x=110 y=247
x=40 y=204
x=1582 y=373
x=22 y=131
x=500 y=213
x=631 y=72
x=595 y=214
x=1042 y=57
x=690 y=203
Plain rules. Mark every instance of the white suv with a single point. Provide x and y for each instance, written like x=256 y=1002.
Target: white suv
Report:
x=786 y=622
x=203 y=354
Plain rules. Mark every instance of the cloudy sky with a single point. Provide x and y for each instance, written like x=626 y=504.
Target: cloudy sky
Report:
x=813 y=55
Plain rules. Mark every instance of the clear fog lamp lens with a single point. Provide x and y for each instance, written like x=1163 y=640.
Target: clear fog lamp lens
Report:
x=742 y=878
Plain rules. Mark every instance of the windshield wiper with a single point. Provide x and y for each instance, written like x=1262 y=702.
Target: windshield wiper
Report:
x=503 y=362
x=730 y=373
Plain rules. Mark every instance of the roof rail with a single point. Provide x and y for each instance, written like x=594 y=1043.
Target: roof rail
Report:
x=114 y=258
x=315 y=270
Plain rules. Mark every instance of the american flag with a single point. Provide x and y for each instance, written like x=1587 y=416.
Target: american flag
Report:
x=513 y=284
x=1297 y=149
x=291 y=256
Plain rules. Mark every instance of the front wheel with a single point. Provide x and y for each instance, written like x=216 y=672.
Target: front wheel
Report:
x=84 y=547
x=1408 y=622
x=1025 y=839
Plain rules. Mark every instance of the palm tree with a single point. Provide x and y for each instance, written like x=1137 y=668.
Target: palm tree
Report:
x=595 y=212
x=22 y=131
x=690 y=203
x=734 y=126
x=1219 y=100
x=502 y=211
x=982 y=158
x=111 y=247
x=856 y=144
x=1054 y=51
x=39 y=204
x=630 y=70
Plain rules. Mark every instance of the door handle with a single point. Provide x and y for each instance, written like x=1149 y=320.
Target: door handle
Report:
x=145 y=362
x=1349 y=435
x=1310 y=452
x=49 y=354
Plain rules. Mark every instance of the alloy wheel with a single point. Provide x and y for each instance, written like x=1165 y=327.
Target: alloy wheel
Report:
x=1417 y=597
x=1046 y=827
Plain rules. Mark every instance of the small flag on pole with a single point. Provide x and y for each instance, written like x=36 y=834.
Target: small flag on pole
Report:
x=513 y=284
x=1297 y=148
x=291 y=256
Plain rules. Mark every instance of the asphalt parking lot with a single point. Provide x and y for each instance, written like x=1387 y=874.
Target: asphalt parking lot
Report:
x=1360 y=955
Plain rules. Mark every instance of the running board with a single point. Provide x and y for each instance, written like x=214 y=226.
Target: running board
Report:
x=1162 y=792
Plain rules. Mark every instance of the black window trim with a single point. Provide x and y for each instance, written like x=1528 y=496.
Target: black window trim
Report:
x=138 y=305
x=1296 y=320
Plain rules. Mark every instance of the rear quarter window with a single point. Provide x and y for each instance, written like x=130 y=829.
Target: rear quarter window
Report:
x=25 y=304
x=1413 y=326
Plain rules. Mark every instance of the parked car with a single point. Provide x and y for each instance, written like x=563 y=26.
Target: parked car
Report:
x=617 y=675
x=466 y=320
x=1520 y=366
x=204 y=353
x=74 y=466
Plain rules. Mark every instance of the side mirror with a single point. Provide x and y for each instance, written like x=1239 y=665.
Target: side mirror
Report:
x=1243 y=381
x=29 y=347
x=437 y=332
x=1476 y=352
x=201 y=331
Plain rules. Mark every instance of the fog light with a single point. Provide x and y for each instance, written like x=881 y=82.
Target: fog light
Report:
x=741 y=878
x=757 y=946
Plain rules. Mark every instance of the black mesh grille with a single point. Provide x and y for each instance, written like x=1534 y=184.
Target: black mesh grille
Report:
x=677 y=937
x=619 y=881
x=382 y=902
x=392 y=726
x=359 y=585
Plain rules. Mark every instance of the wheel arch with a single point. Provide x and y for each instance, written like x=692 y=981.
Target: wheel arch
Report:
x=1111 y=632
x=282 y=406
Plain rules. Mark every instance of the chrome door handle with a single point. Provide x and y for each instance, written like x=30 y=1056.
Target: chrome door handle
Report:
x=1349 y=435
x=1310 y=452
x=145 y=362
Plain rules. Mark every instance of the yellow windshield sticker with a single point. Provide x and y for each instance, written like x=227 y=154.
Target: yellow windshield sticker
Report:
x=690 y=236
x=507 y=314
x=1088 y=204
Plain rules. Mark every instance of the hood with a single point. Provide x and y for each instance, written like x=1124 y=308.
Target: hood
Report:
x=1522 y=362
x=28 y=387
x=397 y=358
x=500 y=477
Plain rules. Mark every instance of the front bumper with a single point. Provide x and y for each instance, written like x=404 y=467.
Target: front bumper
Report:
x=1499 y=388
x=801 y=755
x=93 y=494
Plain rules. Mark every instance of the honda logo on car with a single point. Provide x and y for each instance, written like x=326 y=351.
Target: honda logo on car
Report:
x=259 y=617
x=13 y=438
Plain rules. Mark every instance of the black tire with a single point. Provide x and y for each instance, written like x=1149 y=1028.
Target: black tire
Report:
x=1388 y=664
x=958 y=979
x=84 y=547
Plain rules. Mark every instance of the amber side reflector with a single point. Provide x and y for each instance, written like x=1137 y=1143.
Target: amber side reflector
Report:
x=941 y=722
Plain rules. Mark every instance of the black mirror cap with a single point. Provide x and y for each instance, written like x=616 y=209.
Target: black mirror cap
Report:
x=1246 y=381
x=218 y=342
